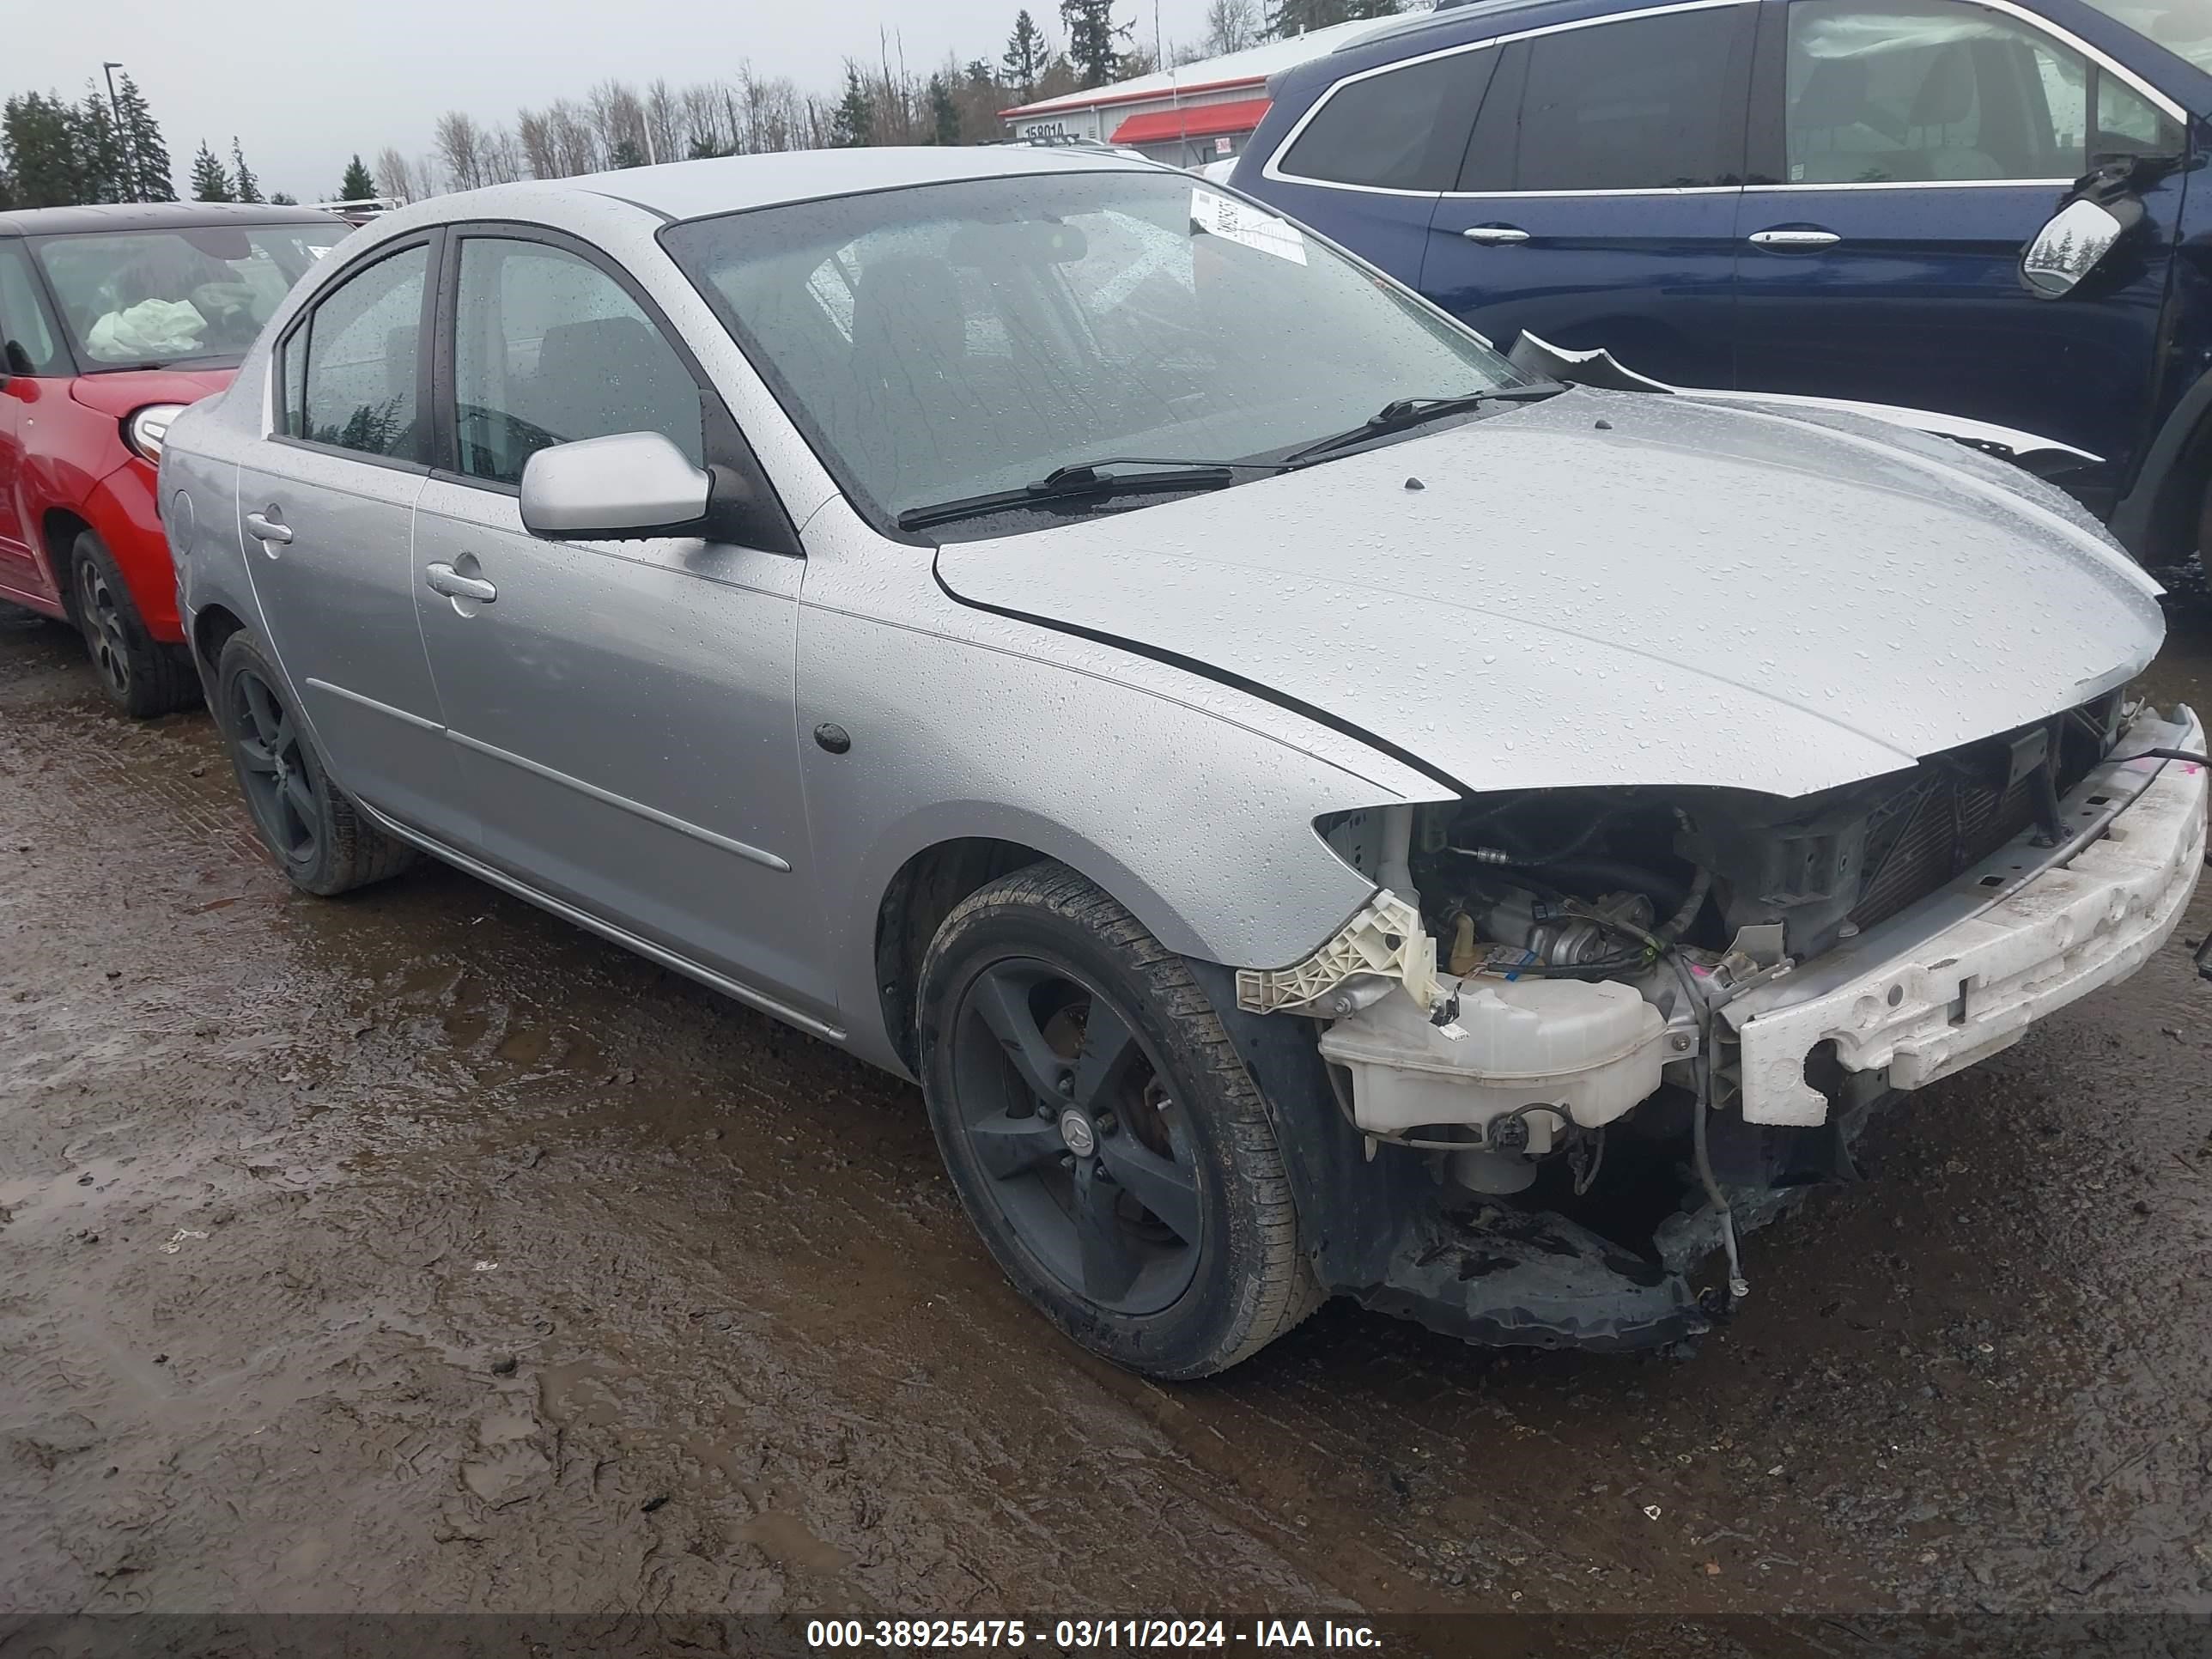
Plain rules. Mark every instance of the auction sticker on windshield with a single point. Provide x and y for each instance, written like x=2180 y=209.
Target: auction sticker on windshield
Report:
x=1240 y=222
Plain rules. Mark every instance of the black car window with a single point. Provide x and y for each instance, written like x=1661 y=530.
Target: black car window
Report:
x=551 y=348
x=1390 y=130
x=350 y=372
x=28 y=342
x=1645 y=104
x=1906 y=93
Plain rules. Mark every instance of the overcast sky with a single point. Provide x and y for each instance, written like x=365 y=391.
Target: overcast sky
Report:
x=304 y=85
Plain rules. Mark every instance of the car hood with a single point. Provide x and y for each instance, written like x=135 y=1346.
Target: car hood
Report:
x=1607 y=589
x=128 y=389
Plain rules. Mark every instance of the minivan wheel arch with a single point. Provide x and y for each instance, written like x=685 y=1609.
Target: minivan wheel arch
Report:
x=2156 y=520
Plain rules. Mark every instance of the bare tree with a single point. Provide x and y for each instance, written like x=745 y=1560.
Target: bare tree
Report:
x=397 y=176
x=1230 y=25
x=460 y=146
x=618 y=116
x=664 y=129
x=575 y=144
x=533 y=131
x=503 y=160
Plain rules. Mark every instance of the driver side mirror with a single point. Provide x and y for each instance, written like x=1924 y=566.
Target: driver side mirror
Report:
x=628 y=486
x=2072 y=244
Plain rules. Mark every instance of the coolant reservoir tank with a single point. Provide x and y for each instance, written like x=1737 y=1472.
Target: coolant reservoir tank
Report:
x=1593 y=1049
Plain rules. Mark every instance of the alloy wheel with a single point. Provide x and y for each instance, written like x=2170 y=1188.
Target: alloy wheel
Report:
x=1065 y=1110
x=103 y=626
x=273 y=762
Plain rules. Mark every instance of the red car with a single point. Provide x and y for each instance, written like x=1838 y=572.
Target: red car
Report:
x=113 y=318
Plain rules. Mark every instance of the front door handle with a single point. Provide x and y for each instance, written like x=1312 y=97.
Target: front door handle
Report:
x=444 y=579
x=268 y=526
x=1495 y=235
x=1787 y=238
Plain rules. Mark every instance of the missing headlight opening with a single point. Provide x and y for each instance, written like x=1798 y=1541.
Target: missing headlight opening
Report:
x=1652 y=1016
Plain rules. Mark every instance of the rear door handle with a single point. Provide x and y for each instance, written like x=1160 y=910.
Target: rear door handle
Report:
x=1794 y=238
x=1495 y=235
x=268 y=526
x=444 y=579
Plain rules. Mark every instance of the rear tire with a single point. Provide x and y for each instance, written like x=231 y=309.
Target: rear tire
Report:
x=142 y=676
x=1101 y=1133
x=318 y=838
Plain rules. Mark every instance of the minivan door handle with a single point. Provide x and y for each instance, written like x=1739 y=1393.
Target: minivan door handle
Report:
x=444 y=579
x=268 y=526
x=1495 y=235
x=1787 y=238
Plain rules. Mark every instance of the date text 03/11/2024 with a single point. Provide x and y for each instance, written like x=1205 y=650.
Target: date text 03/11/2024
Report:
x=1074 y=1634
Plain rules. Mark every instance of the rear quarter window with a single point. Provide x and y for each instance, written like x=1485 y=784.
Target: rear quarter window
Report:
x=1399 y=130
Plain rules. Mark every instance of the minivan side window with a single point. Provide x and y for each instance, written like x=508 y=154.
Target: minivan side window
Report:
x=1907 y=92
x=1649 y=103
x=551 y=348
x=1384 y=131
x=349 y=371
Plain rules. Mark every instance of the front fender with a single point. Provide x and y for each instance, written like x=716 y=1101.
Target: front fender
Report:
x=1200 y=823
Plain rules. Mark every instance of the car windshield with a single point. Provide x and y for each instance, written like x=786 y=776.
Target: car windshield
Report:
x=145 y=298
x=952 y=341
x=2184 y=27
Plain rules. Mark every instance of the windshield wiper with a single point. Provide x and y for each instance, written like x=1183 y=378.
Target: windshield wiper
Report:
x=1083 y=478
x=1402 y=414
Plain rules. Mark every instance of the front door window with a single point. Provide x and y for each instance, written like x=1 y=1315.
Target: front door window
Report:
x=551 y=349
x=1933 y=94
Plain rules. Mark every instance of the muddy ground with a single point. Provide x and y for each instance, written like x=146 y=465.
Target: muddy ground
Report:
x=416 y=1251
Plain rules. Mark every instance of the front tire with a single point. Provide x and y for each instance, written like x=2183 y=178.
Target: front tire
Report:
x=141 y=676
x=1101 y=1133
x=318 y=838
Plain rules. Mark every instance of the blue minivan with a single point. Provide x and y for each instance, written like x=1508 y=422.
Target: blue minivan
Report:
x=1842 y=198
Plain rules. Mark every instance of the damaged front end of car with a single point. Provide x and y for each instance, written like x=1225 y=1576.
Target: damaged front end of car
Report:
x=1581 y=1040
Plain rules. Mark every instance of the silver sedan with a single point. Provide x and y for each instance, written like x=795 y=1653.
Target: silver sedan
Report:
x=1317 y=810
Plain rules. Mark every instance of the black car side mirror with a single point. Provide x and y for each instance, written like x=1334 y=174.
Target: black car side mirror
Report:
x=2102 y=207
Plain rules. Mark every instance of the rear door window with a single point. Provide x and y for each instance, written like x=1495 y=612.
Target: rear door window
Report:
x=350 y=370
x=1399 y=129
x=1648 y=103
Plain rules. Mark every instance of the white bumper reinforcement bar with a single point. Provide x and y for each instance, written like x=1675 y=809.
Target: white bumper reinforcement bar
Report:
x=1963 y=973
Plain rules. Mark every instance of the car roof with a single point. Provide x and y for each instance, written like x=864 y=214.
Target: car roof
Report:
x=1467 y=12
x=156 y=215
x=731 y=184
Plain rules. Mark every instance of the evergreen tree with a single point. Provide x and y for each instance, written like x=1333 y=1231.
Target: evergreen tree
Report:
x=245 y=186
x=209 y=182
x=944 y=113
x=853 y=123
x=359 y=184
x=1092 y=38
x=282 y=198
x=38 y=147
x=627 y=153
x=1026 y=53
x=145 y=152
x=104 y=175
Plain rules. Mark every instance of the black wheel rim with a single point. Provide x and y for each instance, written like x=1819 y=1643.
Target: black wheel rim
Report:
x=272 y=763
x=103 y=626
x=1063 y=1111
